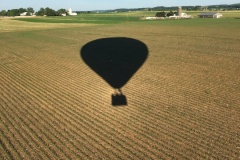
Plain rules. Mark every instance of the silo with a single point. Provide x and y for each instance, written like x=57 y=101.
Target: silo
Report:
x=179 y=11
x=70 y=11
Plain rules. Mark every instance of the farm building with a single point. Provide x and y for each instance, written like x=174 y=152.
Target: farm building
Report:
x=25 y=14
x=180 y=15
x=177 y=15
x=210 y=15
x=71 y=13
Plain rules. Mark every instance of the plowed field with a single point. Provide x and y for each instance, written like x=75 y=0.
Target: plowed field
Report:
x=183 y=102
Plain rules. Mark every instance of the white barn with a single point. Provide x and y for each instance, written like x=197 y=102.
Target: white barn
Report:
x=23 y=14
x=210 y=15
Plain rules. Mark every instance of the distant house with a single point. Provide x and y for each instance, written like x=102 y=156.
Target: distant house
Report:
x=210 y=15
x=23 y=14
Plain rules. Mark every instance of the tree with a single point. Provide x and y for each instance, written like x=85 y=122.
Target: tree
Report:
x=28 y=14
x=3 y=13
x=170 y=14
x=61 y=11
x=197 y=8
x=40 y=12
x=49 y=12
x=30 y=10
x=160 y=14
x=21 y=10
x=13 y=12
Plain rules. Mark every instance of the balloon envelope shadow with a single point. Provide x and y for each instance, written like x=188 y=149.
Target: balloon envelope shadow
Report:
x=115 y=60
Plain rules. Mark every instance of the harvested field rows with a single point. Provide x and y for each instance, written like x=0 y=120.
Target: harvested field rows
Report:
x=183 y=103
x=8 y=25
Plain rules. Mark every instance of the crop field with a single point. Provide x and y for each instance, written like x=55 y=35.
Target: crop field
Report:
x=182 y=97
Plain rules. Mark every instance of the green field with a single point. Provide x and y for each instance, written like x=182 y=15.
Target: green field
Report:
x=183 y=102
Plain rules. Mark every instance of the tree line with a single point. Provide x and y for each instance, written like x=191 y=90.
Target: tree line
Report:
x=201 y=8
x=30 y=11
x=17 y=12
x=187 y=8
x=51 y=12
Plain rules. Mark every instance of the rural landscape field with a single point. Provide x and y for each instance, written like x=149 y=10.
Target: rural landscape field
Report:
x=183 y=100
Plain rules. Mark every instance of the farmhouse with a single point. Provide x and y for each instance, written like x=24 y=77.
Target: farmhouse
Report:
x=210 y=15
x=23 y=14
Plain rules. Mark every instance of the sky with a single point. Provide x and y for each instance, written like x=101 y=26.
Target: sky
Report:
x=88 y=5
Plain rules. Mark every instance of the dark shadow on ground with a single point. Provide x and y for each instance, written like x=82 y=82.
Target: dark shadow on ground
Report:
x=116 y=60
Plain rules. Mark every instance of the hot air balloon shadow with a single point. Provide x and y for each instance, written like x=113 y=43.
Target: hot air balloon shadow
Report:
x=116 y=60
